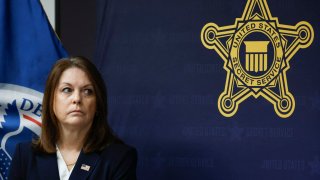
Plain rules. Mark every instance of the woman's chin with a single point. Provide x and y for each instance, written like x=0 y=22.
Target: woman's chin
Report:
x=76 y=122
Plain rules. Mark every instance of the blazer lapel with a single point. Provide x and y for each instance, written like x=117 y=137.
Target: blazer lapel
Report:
x=84 y=166
x=47 y=166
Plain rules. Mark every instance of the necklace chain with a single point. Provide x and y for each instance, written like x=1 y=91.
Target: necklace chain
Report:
x=71 y=164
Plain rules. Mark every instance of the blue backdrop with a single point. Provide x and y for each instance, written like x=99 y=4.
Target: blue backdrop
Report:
x=164 y=85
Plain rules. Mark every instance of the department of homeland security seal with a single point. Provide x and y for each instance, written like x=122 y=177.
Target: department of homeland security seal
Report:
x=256 y=55
x=20 y=120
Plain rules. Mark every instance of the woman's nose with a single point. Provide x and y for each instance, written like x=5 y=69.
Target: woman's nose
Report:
x=76 y=98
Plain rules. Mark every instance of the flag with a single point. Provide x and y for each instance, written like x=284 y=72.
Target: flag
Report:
x=28 y=49
x=85 y=167
x=214 y=89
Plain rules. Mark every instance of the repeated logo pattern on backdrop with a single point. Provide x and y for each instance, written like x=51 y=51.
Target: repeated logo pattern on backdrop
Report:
x=256 y=51
x=164 y=85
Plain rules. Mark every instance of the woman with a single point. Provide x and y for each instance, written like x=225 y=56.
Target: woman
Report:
x=76 y=141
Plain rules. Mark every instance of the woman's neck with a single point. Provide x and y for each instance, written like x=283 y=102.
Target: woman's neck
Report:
x=71 y=139
x=70 y=144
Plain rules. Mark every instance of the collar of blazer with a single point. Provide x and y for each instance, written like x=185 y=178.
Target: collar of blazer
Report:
x=84 y=166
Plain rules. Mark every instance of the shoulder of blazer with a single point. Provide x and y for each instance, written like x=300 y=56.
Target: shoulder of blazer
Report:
x=118 y=151
x=20 y=160
x=122 y=160
x=26 y=159
x=116 y=161
x=24 y=151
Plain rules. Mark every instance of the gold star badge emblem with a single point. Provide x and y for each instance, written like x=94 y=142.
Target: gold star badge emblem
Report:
x=256 y=50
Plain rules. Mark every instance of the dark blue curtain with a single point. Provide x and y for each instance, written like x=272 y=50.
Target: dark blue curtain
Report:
x=166 y=67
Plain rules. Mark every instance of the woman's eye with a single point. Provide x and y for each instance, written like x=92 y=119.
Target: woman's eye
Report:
x=66 y=90
x=88 y=91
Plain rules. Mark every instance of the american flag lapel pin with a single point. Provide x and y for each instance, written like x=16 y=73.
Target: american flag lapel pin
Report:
x=85 y=167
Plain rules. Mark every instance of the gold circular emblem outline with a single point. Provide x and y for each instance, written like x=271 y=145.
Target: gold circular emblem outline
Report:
x=246 y=29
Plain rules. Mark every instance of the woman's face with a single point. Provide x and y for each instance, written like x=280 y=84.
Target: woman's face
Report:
x=74 y=102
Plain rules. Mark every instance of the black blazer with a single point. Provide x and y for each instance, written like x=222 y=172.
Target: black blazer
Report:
x=116 y=162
